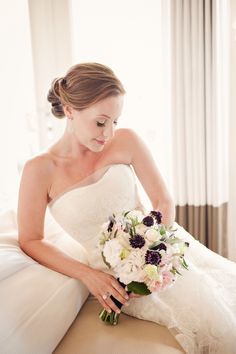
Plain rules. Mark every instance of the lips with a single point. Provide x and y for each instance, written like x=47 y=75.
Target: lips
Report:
x=102 y=142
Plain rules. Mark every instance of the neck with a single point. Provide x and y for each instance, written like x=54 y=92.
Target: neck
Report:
x=68 y=147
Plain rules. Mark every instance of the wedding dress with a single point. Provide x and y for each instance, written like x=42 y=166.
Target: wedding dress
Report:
x=200 y=308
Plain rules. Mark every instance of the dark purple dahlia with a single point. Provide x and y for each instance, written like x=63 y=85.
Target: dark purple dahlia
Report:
x=148 y=221
x=137 y=241
x=157 y=215
x=110 y=226
x=160 y=247
x=111 y=223
x=152 y=257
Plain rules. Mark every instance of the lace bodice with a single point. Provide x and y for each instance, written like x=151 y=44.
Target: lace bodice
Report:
x=82 y=209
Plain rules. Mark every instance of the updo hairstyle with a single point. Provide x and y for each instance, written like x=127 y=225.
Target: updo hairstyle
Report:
x=82 y=86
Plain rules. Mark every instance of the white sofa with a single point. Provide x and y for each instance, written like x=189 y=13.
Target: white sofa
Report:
x=43 y=311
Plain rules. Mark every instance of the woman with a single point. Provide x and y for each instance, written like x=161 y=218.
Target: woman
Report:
x=86 y=175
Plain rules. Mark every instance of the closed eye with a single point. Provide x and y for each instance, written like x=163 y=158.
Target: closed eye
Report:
x=103 y=124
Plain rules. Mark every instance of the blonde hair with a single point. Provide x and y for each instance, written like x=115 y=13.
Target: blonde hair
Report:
x=83 y=85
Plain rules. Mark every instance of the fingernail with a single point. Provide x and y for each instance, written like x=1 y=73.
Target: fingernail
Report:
x=126 y=304
x=127 y=297
x=118 y=311
x=126 y=288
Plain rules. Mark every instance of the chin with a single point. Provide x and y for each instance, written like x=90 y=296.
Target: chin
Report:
x=96 y=147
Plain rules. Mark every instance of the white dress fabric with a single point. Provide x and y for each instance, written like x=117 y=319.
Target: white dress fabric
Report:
x=37 y=304
x=200 y=308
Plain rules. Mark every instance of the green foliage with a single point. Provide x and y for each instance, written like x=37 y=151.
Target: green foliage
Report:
x=105 y=261
x=138 y=288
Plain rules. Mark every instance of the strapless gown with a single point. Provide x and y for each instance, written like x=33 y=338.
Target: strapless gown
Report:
x=200 y=308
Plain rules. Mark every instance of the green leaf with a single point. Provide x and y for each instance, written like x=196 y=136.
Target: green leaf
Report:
x=156 y=243
x=162 y=230
x=174 y=240
x=104 y=260
x=138 y=288
x=127 y=212
x=174 y=271
x=163 y=239
x=184 y=264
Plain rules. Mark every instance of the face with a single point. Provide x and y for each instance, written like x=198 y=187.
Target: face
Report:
x=93 y=127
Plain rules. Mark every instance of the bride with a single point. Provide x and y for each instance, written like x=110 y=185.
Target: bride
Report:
x=88 y=174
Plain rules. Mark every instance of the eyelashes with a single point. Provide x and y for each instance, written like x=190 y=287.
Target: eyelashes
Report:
x=103 y=124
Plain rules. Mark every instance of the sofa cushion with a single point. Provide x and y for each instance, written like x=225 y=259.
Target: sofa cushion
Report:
x=89 y=335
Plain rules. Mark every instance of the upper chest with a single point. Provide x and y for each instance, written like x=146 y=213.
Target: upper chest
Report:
x=68 y=173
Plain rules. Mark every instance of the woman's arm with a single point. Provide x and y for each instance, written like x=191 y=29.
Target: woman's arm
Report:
x=32 y=204
x=149 y=175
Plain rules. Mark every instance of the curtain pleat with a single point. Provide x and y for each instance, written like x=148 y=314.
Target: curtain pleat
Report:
x=207 y=223
x=200 y=118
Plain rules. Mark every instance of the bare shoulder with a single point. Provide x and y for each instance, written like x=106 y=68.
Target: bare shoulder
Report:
x=124 y=143
x=125 y=134
x=39 y=169
x=128 y=141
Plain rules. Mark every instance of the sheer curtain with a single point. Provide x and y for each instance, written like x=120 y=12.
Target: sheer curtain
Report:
x=200 y=117
x=18 y=133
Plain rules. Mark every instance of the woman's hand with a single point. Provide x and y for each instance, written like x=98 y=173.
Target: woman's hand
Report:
x=100 y=283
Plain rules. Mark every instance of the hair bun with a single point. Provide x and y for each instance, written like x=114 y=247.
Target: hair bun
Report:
x=54 y=98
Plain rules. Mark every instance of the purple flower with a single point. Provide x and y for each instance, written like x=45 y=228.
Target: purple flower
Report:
x=111 y=223
x=137 y=241
x=160 y=247
x=110 y=226
x=148 y=221
x=157 y=215
x=152 y=257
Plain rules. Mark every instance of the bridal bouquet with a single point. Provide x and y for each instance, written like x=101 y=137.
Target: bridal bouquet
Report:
x=145 y=255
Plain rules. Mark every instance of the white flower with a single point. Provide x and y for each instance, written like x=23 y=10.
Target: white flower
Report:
x=123 y=238
x=175 y=262
x=152 y=272
x=112 y=251
x=133 y=214
x=105 y=226
x=103 y=237
x=141 y=229
x=131 y=268
x=152 y=235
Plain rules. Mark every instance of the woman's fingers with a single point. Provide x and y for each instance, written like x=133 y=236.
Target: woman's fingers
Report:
x=103 y=303
x=118 y=297
x=112 y=305
x=121 y=291
x=108 y=304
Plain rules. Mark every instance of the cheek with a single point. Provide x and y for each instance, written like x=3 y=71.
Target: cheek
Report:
x=87 y=130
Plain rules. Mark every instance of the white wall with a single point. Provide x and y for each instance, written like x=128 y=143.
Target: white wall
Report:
x=128 y=37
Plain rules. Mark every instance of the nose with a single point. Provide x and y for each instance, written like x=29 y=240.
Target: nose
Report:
x=108 y=132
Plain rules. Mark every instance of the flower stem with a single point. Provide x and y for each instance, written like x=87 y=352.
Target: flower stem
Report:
x=113 y=317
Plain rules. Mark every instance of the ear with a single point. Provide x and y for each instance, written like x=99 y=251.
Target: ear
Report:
x=68 y=110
